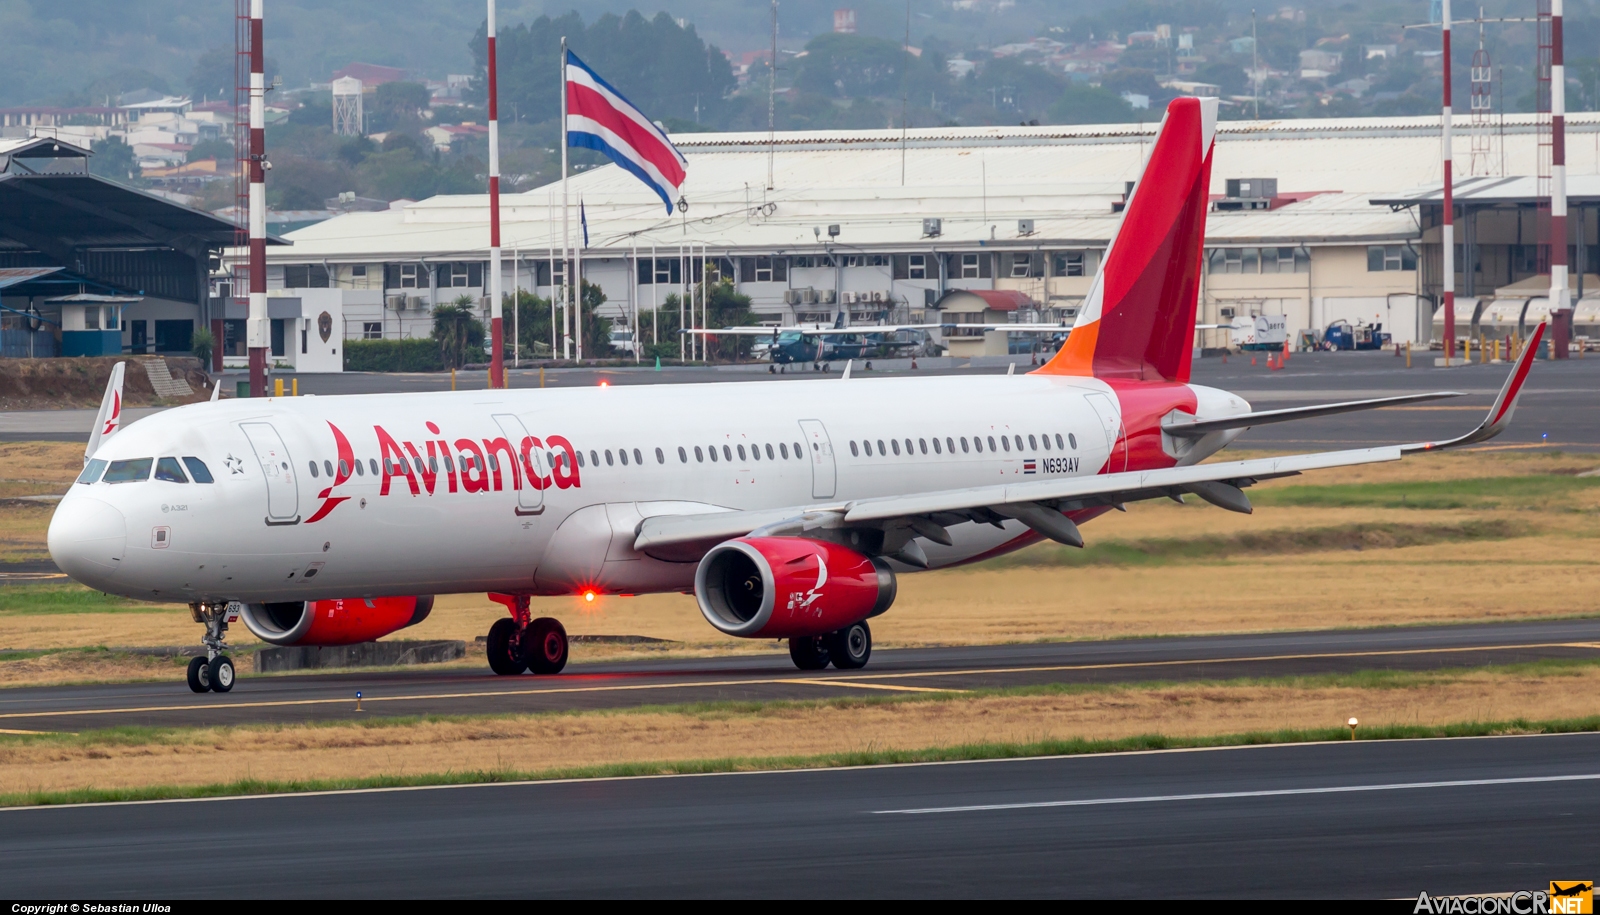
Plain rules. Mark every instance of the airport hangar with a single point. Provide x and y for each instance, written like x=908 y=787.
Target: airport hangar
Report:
x=889 y=226
x=89 y=267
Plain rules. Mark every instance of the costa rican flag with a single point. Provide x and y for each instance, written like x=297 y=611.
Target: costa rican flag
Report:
x=1030 y=466
x=600 y=118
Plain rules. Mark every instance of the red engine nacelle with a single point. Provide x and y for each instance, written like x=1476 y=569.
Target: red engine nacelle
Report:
x=334 y=622
x=789 y=587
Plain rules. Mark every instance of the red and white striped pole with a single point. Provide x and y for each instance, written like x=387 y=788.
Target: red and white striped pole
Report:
x=1448 y=236
x=256 y=332
x=497 y=366
x=1560 y=295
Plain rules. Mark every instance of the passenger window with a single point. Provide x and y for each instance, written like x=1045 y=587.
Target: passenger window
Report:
x=908 y=447
x=1019 y=443
x=609 y=462
x=950 y=444
x=683 y=456
x=580 y=458
x=741 y=453
x=198 y=471
x=881 y=448
x=358 y=464
x=976 y=443
x=1071 y=440
x=896 y=443
x=660 y=457
x=991 y=443
x=854 y=451
x=698 y=456
x=922 y=443
x=713 y=450
x=727 y=452
x=638 y=458
x=372 y=463
x=167 y=470
x=623 y=454
x=494 y=462
x=964 y=445
x=1032 y=444
x=797 y=451
x=769 y=452
x=313 y=466
x=1044 y=438
x=755 y=452
x=783 y=449
x=91 y=472
x=344 y=469
x=1005 y=442
x=328 y=466
x=129 y=471
x=936 y=448
x=594 y=458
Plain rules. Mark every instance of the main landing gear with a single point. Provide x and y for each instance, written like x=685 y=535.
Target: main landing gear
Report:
x=847 y=649
x=214 y=672
x=520 y=643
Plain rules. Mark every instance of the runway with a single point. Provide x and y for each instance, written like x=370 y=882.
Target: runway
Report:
x=1337 y=820
x=331 y=697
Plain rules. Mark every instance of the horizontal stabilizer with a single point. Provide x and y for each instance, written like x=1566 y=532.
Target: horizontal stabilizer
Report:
x=1194 y=429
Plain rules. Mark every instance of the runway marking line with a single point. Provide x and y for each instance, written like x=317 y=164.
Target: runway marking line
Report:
x=1231 y=795
x=861 y=682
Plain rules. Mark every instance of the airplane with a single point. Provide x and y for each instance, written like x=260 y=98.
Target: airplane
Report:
x=788 y=509
x=799 y=343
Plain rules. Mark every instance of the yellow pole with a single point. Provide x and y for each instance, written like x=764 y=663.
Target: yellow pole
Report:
x=541 y=376
x=277 y=387
x=1408 y=354
x=294 y=387
x=452 y=378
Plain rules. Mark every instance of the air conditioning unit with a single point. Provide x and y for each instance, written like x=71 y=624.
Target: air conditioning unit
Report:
x=418 y=303
x=397 y=302
x=808 y=296
x=932 y=228
x=877 y=295
x=1024 y=227
x=826 y=296
x=791 y=297
x=849 y=298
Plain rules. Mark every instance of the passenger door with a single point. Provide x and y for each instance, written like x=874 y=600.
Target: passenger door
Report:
x=1111 y=424
x=277 y=467
x=820 y=452
x=530 y=499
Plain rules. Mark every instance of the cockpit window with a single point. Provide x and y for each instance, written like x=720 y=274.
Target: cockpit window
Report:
x=198 y=469
x=91 y=472
x=130 y=471
x=168 y=471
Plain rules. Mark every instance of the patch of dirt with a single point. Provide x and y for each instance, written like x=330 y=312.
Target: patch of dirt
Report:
x=54 y=384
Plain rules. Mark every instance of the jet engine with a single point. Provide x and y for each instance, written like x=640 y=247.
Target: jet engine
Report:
x=789 y=587
x=334 y=622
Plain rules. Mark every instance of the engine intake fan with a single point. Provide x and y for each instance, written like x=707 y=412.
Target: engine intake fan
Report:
x=789 y=587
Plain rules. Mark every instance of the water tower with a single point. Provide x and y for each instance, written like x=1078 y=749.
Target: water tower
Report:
x=347 y=107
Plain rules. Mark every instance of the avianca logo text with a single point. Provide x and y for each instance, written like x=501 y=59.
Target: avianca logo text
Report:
x=473 y=465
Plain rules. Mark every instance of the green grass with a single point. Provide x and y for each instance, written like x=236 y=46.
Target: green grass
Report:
x=1543 y=491
x=869 y=757
x=1163 y=551
x=42 y=599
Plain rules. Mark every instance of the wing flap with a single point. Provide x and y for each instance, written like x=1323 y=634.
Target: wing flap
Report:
x=1196 y=429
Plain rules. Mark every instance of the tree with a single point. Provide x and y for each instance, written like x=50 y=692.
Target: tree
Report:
x=1230 y=76
x=220 y=150
x=114 y=159
x=1090 y=105
x=457 y=331
x=397 y=105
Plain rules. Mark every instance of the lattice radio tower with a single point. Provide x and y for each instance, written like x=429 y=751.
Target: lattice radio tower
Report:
x=1485 y=158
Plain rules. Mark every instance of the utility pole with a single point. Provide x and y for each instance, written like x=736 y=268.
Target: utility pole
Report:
x=497 y=364
x=1560 y=295
x=256 y=330
x=1449 y=227
x=772 y=95
x=1255 y=68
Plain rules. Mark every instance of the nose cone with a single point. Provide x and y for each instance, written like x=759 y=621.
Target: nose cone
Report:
x=87 y=539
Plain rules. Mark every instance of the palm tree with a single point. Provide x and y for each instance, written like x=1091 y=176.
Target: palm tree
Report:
x=457 y=330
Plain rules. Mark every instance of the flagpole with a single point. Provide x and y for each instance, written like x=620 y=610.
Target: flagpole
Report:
x=550 y=237
x=566 y=222
x=497 y=358
x=633 y=302
x=655 y=300
x=577 y=295
x=516 y=308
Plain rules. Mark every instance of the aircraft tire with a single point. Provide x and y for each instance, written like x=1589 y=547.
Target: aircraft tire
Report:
x=199 y=676
x=220 y=673
x=808 y=653
x=505 y=655
x=851 y=647
x=545 y=644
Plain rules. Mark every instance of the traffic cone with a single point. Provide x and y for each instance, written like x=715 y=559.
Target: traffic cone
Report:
x=1252 y=360
x=658 y=363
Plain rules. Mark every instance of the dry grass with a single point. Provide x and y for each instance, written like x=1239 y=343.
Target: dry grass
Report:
x=49 y=462
x=532 y=743
x=22 y=530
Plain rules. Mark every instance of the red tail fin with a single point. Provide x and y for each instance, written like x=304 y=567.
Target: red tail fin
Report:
x=1138 y=320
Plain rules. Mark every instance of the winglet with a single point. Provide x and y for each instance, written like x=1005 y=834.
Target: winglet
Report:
x=1506 y=404
x=109 y=419
x=216 y=390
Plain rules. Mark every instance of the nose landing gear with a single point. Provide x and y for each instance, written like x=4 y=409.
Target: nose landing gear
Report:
x=214 y=672
x=521 y=643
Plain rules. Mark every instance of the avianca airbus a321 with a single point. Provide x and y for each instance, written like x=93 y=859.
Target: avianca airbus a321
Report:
x=787 y=508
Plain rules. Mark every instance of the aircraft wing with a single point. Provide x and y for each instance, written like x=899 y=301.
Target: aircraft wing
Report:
x=1040 y=504
x=739 y=331
x=807 y=331
x=1196 y=429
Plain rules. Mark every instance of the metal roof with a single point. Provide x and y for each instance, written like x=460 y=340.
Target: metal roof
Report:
x=978 y=180
x=1518 y=189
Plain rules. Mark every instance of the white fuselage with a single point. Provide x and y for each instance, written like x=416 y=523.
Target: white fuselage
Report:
x=439 y=506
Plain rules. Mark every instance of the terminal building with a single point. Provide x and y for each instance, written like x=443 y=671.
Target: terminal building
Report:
x=1314 y=220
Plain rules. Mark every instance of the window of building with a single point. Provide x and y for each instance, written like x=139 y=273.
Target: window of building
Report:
x=404 y=276
x=371 y=330
x=1025 y=265
x=1068 y=263
x=359 y=270
x=305 y=276
x=971 y=266
x=1384 y=258
x=763 y=270
x=1285 y=260
x=910 y=266
x=811 y=261
x=663 y=270
x=461 y=276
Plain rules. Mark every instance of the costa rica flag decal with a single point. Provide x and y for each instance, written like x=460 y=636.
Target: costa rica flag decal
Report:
x=1030 y=466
